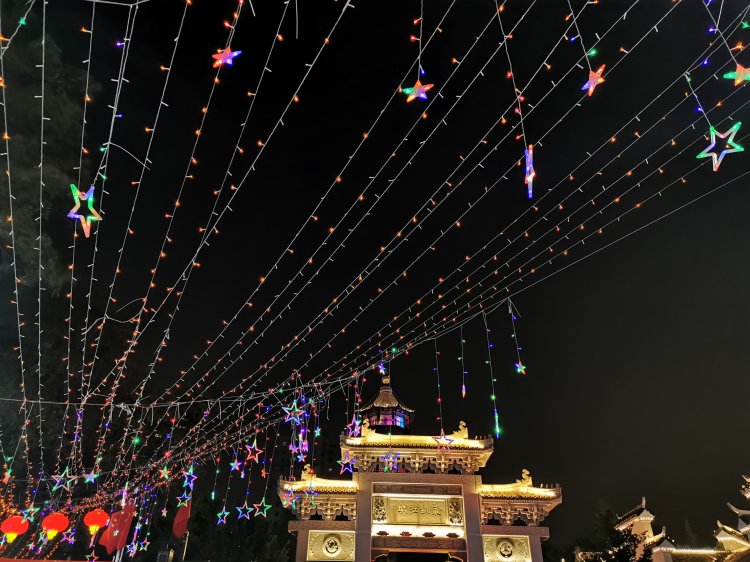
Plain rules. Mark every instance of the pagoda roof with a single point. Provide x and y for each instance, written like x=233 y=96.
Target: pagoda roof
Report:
x=386 y=399
x=309 y=481
x=519 y=490
x=459 y=440
x=639 y=512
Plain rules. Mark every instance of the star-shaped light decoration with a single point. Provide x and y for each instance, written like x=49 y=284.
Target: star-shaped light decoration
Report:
x=353 y=428
x=164 y=512
x=132 y=548
x=92 y=215
x=595 y=78
x=289 y=500
x=69 y=536
x=7 y=476
x=90 y=478
x=730 y=145
x=189 y=478
x=293 y=413
x=222 y=516
x=234 y=465
x=225 y=56
x=253 y=452
x=301 y=457
x=418 y=91
x=741 y=74
x=262 y=507
x=183 y=500
x=530 y=173
x=520 y=368
x=443 y=442
x=347 y=463
x=29 y=513
x=244 y=511
x=63 y=480
x=165 y=472
x=143 y=545
x=92 y=557
x=390 y=461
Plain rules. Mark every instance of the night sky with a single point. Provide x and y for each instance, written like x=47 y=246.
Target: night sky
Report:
x=636 y=357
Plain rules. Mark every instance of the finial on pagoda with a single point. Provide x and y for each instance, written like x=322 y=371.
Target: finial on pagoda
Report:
x=386 y=413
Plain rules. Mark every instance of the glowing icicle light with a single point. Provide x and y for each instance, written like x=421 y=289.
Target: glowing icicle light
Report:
x=498 y=430
x=225 y=56
x=418 y=91
x=530 y=173
x=463 y=391
x=595 y=78
x=92 y=215
x=730 y=145
x=739 y=75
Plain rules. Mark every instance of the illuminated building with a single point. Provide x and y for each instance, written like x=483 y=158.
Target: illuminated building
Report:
x=415 y=497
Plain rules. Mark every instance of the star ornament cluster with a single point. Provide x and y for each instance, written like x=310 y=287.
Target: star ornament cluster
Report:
x=730 y=145
x=595 y=78
x=225 y=56
x=88 y=217
x=418 y=91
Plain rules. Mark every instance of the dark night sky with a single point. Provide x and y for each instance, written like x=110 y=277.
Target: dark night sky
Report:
x=637 y=357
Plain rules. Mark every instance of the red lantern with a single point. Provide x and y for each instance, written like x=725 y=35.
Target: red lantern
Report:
x=95 y=520
x=13 y=526
x=55 y=523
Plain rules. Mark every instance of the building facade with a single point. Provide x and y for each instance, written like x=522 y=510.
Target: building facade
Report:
x=415 y=497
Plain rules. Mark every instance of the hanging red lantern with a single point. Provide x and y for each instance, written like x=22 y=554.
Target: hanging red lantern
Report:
x=13 y=526
x=55 y=523
x=95 y=520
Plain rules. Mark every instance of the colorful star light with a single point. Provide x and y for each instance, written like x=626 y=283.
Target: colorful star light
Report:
x=730 y=145
x=62 y=480
x=90 y=478
x=189 y=478
x=418 y=91
x=244 y=511
x=222 y=516
x=262 y=507
x=293 y=413
x=443 y=442
x=595 y=78
x=183 y=499
x=390 y=461
x=234 y=465
x=740 y=75
x=226 y=56
x=520 y=368
x=346 y=463
x=289 y=500
x=353 y=428
x=29 y=513
x=530 y=173
x=143 y=545
x=92 y=215
x=165 y=472
x=253 y=452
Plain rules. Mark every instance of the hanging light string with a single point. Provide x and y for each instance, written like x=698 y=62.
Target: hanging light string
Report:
x=518 y=94
x=497 y=430
x=72 y=267
x=721 y=34
x=618 y=156
x=463 y=367
x=419 y=52
x=689 y=80
x=26 y=412
x=544 y=218
x=580 y=36
x=512 y=311
x=439 y=390
x=121 y=363
x=288 y=250
x=76 y=452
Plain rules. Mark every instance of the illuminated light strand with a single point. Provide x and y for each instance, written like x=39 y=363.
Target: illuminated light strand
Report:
x=25 y=411
x=721 y=33
x=40 y=241
x=121 y=364
x=439 y=390
x=496 y=429
x=375 y=260
x=71 y=287
x=77 y=452
x=227 y=174
x=463 y=368
x=631 y=120
x=512 y=311
x=309 y=68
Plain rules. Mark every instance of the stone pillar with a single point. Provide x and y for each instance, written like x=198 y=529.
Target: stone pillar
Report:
x=363 y=521
x=302 y=537
x=473 y=518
